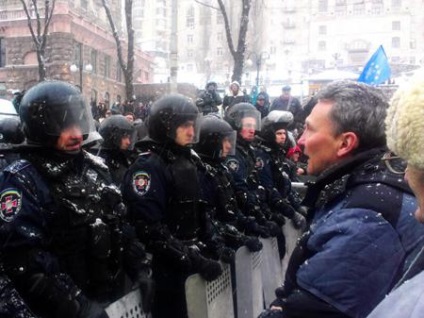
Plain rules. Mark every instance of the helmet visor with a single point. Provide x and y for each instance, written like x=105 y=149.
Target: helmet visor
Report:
x=186 y=129
x=228 y=141
x=248 y=119
x=72 y=112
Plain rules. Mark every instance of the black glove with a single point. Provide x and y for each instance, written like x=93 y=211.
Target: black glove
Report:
x=299 y=221
x=283 y=206
x=207 y=268
x=268 y=313
x=90 y=309
x=254 y=228
x=56 y=301
x=173 y=252
x=273 y=228
x=278 y=218
x=280 y=292
x=112 y=197
x=227 y=254
x=147 y=288
x=253 y=244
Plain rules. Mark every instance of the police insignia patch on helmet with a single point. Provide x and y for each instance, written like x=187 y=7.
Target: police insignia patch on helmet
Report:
x=10 y=204
x=141 y=182
x=232 y=164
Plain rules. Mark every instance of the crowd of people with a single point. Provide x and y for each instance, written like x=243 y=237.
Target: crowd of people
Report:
x=91 y=211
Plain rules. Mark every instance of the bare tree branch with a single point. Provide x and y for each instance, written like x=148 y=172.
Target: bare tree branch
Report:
x=206 y=5
x=227 y=27
x=40 y=35
x=127 y=67
x=238 y=55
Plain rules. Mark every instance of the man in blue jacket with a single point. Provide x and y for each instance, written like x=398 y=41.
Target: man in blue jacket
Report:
x=362 y=232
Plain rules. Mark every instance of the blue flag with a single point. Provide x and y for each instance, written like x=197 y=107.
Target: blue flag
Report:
x=377 y=70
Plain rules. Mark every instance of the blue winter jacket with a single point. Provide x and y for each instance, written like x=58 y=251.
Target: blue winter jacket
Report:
x=362 y=236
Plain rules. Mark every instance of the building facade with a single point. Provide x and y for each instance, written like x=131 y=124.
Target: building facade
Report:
x=80 y=50
x=289 y=40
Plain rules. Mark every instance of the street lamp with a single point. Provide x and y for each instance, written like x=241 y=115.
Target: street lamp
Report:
x=258 y=62
x=80 y=67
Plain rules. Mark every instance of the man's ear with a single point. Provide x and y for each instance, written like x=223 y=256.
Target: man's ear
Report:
x=349 y=141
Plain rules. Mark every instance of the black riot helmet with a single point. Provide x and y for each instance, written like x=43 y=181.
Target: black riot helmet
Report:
x=236 y=113
x=213 y=131
x=11 y=130
x=275 y=120
x=112 y=129
x=50 y=107
x=167 y=114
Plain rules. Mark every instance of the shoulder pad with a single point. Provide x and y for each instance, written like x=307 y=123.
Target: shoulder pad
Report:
x=17 y=166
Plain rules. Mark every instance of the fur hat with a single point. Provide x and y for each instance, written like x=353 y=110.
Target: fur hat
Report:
x=405 y=123
x=235 y=83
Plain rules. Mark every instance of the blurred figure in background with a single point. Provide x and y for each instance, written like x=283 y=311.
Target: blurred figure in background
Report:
x=209 y=100
x=234 y=96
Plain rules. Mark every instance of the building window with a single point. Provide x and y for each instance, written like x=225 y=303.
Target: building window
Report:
x=84 y=4
x=396 y=3
x=219 y=18
x=118 y=72
x=190 y=68
x=359 y=7
x=77 y=53
x=219 y=51
x=377 y=7
x=93 y=60
x=396 y=25
x=340 y=7
x=190 y=54
x=190 y=39
x=396 y=42
x=206 y=19
x=190 y=18
x=323 y=6
x=2 y=53
x=322 y=45
x=412 y=45
x=220 y=36
x=107 y=67
x=322 y=29
x=273 y=49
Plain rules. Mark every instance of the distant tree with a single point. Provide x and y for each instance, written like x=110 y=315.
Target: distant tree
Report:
x=237 y=52
x=39 y=19
x=127 y=66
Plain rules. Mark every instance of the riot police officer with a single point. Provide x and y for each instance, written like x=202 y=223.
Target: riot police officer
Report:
x=64 y=240
x=271 y=145
x=11 y=134
x=246 y=120
x=217 y=140
x=162 y=192
x=117 y=133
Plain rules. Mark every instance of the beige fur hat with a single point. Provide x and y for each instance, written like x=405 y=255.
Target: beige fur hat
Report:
x=405 y=123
